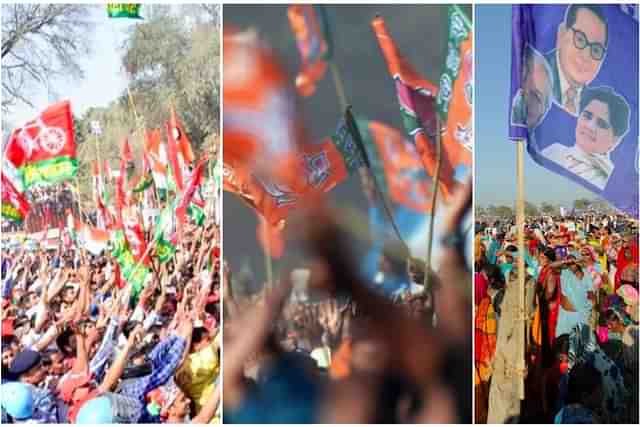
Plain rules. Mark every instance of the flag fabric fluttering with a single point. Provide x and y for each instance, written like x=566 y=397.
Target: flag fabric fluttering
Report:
x=124 y=10
x=311 y=31
x=396 y=165
x=156 y=155
x=179 y=151
x=43 y=150
x=322 y=166
x=187 y=196
x=417 y=98
x=261 y=124
x=14 y=204
x=455 y=94
x=579 y=121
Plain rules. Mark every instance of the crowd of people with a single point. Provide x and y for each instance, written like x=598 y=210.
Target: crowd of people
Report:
x=348 y=352
x=48 y=208
x=580 y=317
x=79 y=346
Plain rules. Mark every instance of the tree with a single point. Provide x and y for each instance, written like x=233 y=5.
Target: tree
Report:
x=530 y=209
x=548 y=208
x=41 y=42
x=173 y=59
x=581 y=204
x=501 y=211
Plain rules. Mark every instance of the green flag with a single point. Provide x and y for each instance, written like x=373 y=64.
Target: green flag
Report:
x=124 y=10
x=134 y=274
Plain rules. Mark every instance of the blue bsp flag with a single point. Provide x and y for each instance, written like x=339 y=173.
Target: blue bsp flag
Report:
x=574 y=94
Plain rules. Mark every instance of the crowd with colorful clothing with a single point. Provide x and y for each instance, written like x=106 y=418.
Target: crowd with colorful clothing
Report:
x=79 y=347
x=580 y=312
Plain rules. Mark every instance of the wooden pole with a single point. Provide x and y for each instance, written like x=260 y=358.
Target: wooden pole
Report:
x=521 y=270
x=434 y=199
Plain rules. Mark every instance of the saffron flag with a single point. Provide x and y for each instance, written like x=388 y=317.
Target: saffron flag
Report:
x=95 y=240
x=311 y=31
x=321 y=166
x=396 y=165
x=14 y=205
x=455 y=94
x=43 y=150
x=417 y=97
x=262 y=128
x=574 y=95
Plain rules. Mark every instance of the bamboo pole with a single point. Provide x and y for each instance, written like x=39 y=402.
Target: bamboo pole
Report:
x=434 y=199
x=520 y=336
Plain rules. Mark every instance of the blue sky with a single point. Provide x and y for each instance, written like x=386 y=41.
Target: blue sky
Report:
x=495 y=155
x=103 y=80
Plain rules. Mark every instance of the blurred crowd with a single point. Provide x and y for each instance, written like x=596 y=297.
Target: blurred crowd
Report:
x=581 y=320
x=350 y=351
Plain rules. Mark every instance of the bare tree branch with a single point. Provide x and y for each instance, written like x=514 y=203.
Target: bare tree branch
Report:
x=40 y=42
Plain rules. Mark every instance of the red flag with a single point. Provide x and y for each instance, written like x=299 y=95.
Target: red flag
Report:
x=172 y=154
x=126 y=153
x=196 y=180
x=416 y=96
x=120 y=196
x=135 y=237
x=44 y=150
x=180 y=138
x=14 y=205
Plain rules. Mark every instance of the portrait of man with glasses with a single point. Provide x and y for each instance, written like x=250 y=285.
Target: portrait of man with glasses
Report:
x=603 y=120
x=581 y=47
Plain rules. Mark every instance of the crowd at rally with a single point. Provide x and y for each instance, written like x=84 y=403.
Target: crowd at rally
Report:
x=78 y=346
x=49 y=207
x=581 y=313
x=346 y=351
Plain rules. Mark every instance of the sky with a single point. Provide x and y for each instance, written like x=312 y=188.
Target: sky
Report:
x=419 y=31
x=495 y=155
x=103 y=81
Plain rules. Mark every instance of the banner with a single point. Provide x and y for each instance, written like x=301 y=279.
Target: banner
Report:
x=311 y=31
x=574 y=95
x=44 y=149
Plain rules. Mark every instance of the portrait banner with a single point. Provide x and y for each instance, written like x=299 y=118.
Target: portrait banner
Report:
x=574 y=95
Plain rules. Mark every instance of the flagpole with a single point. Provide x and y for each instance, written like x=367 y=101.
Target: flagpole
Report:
x=434 y=199
x=337 y=82
x=520 y=335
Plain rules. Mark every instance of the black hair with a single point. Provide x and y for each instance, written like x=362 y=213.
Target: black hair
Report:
x=572 y=13
x=618 y=108
x=583 y=378
x=129 y=327
x=549 y=253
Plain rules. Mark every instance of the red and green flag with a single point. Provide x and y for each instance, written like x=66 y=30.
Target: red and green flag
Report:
x=135 y=274
x=43 y=150
x=179 y=150
x=310 y=28
x=14 y=205
x=124 y=10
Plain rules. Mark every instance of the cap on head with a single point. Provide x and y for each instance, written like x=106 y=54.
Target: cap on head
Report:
x=17 y=400
x=24 y=361
x=96 y=411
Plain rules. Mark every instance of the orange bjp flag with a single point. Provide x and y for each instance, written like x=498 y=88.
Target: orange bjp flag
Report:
x=261 y=125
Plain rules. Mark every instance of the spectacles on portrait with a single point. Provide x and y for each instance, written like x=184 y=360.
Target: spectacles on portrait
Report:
x=580 y=41
x=600 y=122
